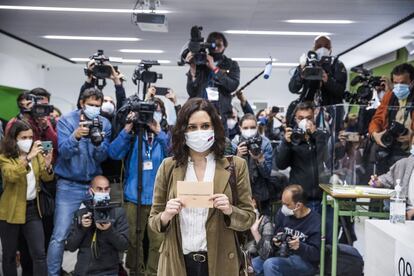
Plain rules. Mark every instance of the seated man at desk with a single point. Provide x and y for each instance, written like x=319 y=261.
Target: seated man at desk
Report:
x=403 y=169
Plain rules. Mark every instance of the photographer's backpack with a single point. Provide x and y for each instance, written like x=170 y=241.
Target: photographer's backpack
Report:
x=349 y=262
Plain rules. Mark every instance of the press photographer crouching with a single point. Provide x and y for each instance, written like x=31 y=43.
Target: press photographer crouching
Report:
x=99 y=231
x=297 y=238
x=257 y=151
x=83 y=137
x=212 y=75
x=393 y=122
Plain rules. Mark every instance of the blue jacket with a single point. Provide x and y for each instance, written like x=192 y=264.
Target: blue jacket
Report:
x=79 y=160
x=123 y=146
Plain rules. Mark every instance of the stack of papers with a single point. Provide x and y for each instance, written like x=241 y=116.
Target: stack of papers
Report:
x=362 y=190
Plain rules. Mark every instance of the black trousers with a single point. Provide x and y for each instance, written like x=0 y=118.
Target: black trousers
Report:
x=194 y=268
x=33 y=232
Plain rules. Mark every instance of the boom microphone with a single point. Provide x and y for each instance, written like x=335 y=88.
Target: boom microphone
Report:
x=267 y=70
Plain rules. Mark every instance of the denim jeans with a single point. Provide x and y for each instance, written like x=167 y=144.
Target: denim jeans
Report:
x=281 y=266
x=69 y=196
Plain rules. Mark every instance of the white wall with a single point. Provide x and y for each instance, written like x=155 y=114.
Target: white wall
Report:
x=20 y=66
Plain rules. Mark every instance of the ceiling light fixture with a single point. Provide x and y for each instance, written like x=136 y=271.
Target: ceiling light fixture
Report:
x=142 y=51
x=101 y=38
x=253 y=59
x=318 y=21
x=246 y=32
x=121 y=60
x=70 y=9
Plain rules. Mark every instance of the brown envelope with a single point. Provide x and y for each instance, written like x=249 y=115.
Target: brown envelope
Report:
x=195 y=194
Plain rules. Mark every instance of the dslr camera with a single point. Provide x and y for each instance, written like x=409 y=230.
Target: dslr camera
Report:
x=96 y=133
x=283 y=238
x=253 y=144
x=101 y=211
x=315 y=66
x=298 y=136
x=39 y=110
x=198 y=47
x=393 y=132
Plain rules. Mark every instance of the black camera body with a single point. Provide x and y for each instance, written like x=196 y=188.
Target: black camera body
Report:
x=198 y=47
x=298 y=136
x=38 y=110
x=142 y=73
x=314 y=67
x=284 y=239
x=144 y=111
x=367 y=84
x=95 y=131
x=254 y=144
x=101 y=211
x=394 y=131
x=100 y=70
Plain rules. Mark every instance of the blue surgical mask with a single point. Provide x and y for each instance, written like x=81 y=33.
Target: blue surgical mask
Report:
x=99 y=197
x=401 y=90
x=91 y=111
x=263 y=120
x=412 y=150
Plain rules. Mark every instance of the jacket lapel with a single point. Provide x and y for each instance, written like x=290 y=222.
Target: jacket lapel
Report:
x=177 y=175
x=221 y=179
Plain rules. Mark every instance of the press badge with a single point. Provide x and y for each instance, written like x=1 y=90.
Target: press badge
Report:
x=147 y=165
x=212 y=94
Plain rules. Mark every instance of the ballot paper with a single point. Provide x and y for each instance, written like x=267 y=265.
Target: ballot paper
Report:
x=195 y=194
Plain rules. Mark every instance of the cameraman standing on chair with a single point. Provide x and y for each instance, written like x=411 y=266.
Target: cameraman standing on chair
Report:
x=391 y=127
x=216 y=79
x=257 y=151
x=83 y=138
x=98 y=243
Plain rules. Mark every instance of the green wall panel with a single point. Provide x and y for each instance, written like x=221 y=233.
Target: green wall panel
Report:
x=8 y=106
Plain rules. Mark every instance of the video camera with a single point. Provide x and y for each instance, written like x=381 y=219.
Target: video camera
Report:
x=144 y=111
x=96 y=133
x=364 y=92
x=39 y=110
x=314 y=66
x=100 y=70
x=393 y=132
x=284 y=239
x=253 y=144
x=198 y=47
x=101 y=211
x=142 y=73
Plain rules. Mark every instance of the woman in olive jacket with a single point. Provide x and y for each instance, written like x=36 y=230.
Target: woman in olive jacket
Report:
x=23 y=164
x=200 y=241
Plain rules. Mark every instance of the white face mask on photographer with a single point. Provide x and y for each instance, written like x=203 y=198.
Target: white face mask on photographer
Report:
x=249 y=133
x=231 y=123
x=99 y=197
x=157 y=116
x=108 y=107
x=25 y=145
x=323 y=52
x=286 y=211
x=200 y=140
x=91 y=111
x=303 y=124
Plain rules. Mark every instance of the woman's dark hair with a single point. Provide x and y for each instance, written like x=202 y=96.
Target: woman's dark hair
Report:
x=9 y=144
x=180 y=150
x=162 y=106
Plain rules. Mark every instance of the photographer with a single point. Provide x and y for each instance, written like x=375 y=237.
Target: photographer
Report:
x=303 y=150
x=298 y=238
x=257 y=151
x=154 y=150
x=98 y=243
x=233 y=120
x=271 y=123
x=43 y=129
x=334 y=77
x=216 y=79
x=83 y=137
x=391 y=127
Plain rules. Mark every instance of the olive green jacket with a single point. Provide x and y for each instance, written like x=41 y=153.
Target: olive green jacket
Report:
x=220 y=229
x=13 y=199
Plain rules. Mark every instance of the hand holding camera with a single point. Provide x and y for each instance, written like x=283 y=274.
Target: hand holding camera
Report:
x=242 y=149
x=82 y=130
x=36 y=149
x=103 y=226
x=86 y=221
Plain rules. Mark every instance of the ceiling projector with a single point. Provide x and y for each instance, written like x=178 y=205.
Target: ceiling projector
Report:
x=151 y=22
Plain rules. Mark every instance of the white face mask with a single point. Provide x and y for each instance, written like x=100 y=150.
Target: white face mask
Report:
x=231 y=123
x=200 y=140
x=323 y=52
x=25 y=145
x=248 y=133
x=108 y=107
x=157 y=116
x=286 y=211
x=276 y=123
x=303 y=124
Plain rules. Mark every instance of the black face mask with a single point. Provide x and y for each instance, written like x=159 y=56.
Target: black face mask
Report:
x=216 y=56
